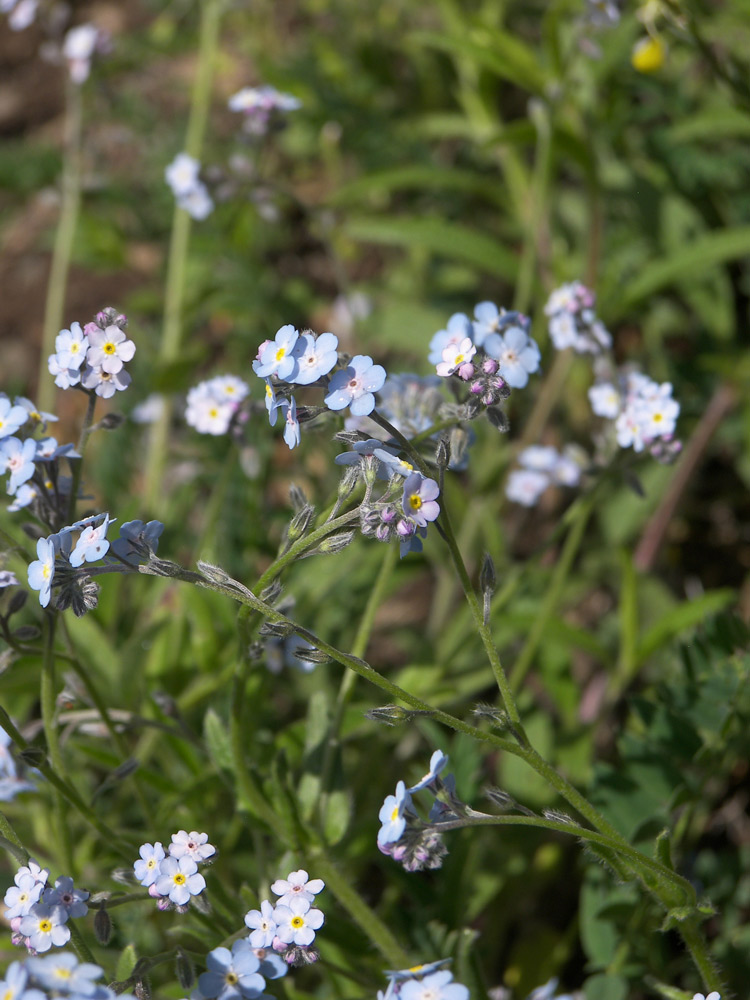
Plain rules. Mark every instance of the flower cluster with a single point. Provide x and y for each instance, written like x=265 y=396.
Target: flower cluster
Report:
x=212 y=404
x=172 y=876
x=643 y=411
x=573 y=322
x=241 y=972
x=417 y=844
x=38 y=913
x=32 y=463
x=262 y=107
x=93 y=357
x=409 y=502
x=183 y=177
x=304 y=359
x=289 y=925
x=11 y=784
x=541 y=466
x=502 y=336
x=548 y=991
x=58 y=975
x=60 y=561
x=424 y=982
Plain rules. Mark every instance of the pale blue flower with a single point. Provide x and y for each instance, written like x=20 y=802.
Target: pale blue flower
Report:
x=47 y=450
x=393 y=815
x=232 y=973
x=71 y=347
x=262 y=925
x=418 y=501
x=297 y=922
x=179 y=880
x=25 y=495
x=92 y=544
x=437 y=763
x=392 y=463
x=278 y=356
x=22 y=896
x=13 y=987
x=292 y=428
x=63 y=972
x=191 y=845
x=273 y=403
x=517 y=354
x=147 y=867
x=457 y=328
x=436 y=986
x=17 y=457
x=297 y=885
x=11 y=417
x=44 y=926
x=354 y=386
x=34 y=414
x=315 y=357
x=65 y=378
x=42 y=570
x=7 y=579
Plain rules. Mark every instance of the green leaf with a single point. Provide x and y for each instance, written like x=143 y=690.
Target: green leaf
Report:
x=423 y=177
x=605 y=987
x=493 y=50
x=445 y=239
x=126 y=963
x=684 y=264
x=683 y=617
x=218 y=744
x=338 y=815
x=718 y=123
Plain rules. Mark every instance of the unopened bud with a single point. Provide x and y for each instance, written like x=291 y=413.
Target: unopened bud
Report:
x=297 y=497
x=336 y=543
x=33 y=756
x=102 y=925
x=184 y=970
x=300 y=523
x=111 y=421
x=271 y=593
x=26 y=633
x=311 y=655
x=16 y=602
x=443 y=453
x=277 y=630
x=498 y=418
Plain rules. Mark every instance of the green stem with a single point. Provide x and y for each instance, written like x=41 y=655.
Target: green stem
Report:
x=76 y=464
x=359 y=911
x=246 y=784
x=536 y=208
x=178 y=248
x=54 y=308
x=82 y=949
x=554 y=591
x=69 y=793
x=696 y=945
x=349 y=679
x=13 y=844
x=48 y=696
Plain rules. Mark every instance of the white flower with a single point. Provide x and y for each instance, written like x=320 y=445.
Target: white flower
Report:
x=193 y=845
x=297 y=922
x=525 y=486
x=182 y=174
x=605 y=400
x=197 y=202
x=78 y=48
x=296 y=886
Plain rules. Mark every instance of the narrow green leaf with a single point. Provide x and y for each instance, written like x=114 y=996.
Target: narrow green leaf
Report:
x=493 y=50
x=218 y=744
x=445 y=239
x=684 y=616
x=696 y=258
x=424 y=177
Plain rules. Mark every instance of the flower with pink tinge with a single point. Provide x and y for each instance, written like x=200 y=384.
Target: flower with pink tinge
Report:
x=297 y=922
x=92 y=543
x=418 y=502
x=456 y=355
x=297 y=886
x=194 y=845
x=78 y=48
x=355 y=385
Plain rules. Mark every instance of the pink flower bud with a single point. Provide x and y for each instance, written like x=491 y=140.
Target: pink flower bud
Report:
x=490 y=366
x=466 y=371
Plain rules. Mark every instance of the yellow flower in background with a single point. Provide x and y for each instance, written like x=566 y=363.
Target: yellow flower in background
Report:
x=648 y=54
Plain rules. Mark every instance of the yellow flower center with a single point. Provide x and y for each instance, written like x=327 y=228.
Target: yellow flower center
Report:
x=179 y=878
x=75 y=348
x=63 y=973
x=281 y=354
x=297 y=922
x=459 y=359
x=231 y=978
x=394 y=814
x=415 y=501
x=213 y=412
x=151 y=863
x=45 y=926
x=657 y=418
x=46 y=572
x=416 y=968
x=269 y=391
x=109 y=348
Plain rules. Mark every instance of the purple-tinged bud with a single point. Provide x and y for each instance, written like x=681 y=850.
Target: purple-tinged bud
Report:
x=388 y=514
x=17 y=940
x=489 y=398
x=490 y=366
x=466 y=371
x=164 y=903
x=476 y=388
x=405 y=529
x=383 y=533
x=278 y=945
x=153 y=891
x=90 y=328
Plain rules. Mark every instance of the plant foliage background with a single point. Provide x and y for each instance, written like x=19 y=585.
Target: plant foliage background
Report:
x=445 y=153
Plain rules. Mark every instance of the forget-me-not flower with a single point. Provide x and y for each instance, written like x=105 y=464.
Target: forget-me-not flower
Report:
x=291 y=427
x=436 y=986
x=147 y=867
x=11 y=416
x=457 y=329
x=65 y=973
x=437 y=764
x=42 y=570
x=262 y=925
x=297 y=922
x=278 y=356
x=192 y=845
x=64 y=894
x=232 y=973
x=179 y=879
x=22 y=896
x=44 y=926
x=418 y=501
x=92 y=543
x=393 y=815
x=517 y=354
x=297 y=886
x=17 y=457
x=355 y=385
x=316 y=356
